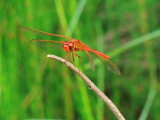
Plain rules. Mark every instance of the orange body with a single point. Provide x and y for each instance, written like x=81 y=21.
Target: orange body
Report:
x=75 y=45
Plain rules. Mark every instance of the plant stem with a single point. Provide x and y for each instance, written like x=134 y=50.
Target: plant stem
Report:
x=92 y=86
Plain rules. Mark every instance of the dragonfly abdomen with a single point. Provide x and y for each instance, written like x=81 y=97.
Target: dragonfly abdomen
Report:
x=99 y=54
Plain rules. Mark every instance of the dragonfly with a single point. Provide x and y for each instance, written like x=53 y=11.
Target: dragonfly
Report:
x=72 y=46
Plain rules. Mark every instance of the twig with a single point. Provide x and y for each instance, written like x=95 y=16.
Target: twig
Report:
x=92 y=86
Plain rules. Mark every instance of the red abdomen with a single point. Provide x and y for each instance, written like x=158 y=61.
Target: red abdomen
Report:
x=99 y=53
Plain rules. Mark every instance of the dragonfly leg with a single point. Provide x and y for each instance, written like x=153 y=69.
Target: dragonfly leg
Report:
x=66 y=57
x=77 y=55
x=72 y=56
x=72 y=53
x=79 y=58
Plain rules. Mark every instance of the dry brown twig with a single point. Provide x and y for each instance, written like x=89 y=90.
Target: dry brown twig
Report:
x=92 y=86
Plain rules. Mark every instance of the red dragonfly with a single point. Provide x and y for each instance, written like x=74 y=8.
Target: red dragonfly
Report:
x=73 y=46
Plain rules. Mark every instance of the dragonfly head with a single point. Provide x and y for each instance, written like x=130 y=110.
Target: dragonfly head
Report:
x=67 y=46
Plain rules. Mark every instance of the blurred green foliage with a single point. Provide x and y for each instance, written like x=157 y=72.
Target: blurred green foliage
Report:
x=31 y=86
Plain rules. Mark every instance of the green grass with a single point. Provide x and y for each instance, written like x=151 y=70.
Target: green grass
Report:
x=31 y=86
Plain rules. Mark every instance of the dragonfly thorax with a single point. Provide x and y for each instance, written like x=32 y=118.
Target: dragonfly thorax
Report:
x=67 y=46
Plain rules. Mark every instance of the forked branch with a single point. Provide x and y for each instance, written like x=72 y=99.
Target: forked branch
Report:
x=92 y=86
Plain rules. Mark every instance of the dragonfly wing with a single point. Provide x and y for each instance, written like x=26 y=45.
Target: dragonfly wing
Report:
x=109 y=65
x=85 y=48
x=38 y=32
x=47 y=44
x=91 y=61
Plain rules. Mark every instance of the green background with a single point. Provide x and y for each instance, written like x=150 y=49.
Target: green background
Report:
x=35 y=87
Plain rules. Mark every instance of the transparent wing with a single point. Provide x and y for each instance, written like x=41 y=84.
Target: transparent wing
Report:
x=38 y=32
x=109 y=65
x=47 y=45
x=91 y=61
x=86 y=49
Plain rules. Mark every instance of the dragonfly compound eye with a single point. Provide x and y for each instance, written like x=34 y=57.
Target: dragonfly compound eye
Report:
x=70 y=44
x=66 y=48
